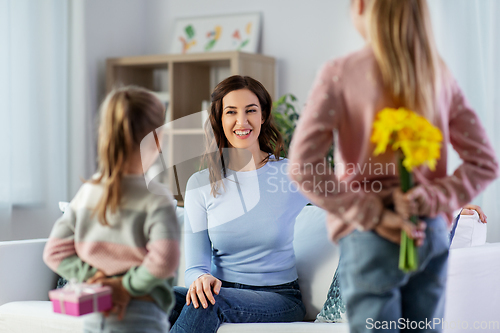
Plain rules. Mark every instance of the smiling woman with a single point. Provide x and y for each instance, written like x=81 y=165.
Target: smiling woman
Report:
x=241 y=121
x=236 y=272
x=240 y=104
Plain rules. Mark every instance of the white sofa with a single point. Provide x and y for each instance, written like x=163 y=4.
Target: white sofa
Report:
x=473 y=293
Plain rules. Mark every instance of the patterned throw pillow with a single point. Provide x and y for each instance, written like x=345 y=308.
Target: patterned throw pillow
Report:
x=334 y=308
x=61 y=282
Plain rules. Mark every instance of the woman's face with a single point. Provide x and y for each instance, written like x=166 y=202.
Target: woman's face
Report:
x=242 y=119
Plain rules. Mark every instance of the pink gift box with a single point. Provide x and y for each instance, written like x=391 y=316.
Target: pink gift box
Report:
x=80 y=299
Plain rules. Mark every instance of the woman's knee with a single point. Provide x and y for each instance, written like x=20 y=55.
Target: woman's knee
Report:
x=198 y=319
x=180 y=302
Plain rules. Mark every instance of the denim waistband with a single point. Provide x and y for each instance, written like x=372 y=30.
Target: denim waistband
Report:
x=289 y=285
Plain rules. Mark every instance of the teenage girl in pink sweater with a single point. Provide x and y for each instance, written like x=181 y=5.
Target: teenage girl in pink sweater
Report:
x=398 y=67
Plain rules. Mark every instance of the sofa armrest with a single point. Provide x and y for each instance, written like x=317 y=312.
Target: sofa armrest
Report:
x=179 y=279
x=23 y=274
x=472 y=292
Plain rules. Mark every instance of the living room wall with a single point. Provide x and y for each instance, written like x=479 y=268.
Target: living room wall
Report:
x=110 y=28
x=301 y=35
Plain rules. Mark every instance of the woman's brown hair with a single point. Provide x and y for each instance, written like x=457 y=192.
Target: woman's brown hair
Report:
x=128 y=114
x=270 y=140
x=401 y=35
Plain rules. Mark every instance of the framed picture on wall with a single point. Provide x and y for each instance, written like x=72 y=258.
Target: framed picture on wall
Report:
x=217 y=33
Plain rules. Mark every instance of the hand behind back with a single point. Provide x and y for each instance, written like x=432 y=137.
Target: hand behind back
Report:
x=120 y=296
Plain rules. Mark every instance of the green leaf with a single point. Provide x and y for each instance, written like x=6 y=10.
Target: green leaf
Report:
x=281 y=100
x=210 y=45
x=189 y=31
x=243 y=44
x=278 y=117
x=285 y=115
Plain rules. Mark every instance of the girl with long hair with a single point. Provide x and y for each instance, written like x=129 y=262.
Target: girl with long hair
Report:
x=239 y=219
x=114 y=231
x=398 y=67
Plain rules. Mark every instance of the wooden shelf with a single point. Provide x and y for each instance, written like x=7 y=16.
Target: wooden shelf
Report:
x=189 y=82
x=188 y=131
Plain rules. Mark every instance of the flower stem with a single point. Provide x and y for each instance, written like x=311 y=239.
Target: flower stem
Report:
x=408 y=257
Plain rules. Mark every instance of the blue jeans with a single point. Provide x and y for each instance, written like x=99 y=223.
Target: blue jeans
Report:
x=379 y=296
x=140 y=316
x=238 y=303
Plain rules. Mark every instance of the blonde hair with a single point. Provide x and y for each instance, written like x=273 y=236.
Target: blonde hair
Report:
x=128 y=114
x=401 y=36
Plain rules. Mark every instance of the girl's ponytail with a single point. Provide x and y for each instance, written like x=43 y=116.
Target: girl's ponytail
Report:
x=402 y=40
x=127 y=116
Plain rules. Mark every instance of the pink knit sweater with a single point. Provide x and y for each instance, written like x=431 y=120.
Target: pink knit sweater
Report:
x=345 y=98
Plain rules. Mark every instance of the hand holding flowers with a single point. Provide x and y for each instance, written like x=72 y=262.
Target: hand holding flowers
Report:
x=416 y=142
x=392 y=224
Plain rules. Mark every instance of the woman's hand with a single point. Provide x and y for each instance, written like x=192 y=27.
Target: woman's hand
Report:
x=391 y=225
x=201 y=289
x=469 y=210
x=120 y=296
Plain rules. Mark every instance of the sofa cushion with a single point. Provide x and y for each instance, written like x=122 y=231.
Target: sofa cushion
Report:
x=36 y=316
x=18 y=280
x=472 y=290
x=334 y=310
x=179 y=278
x=22 y=317
x=316 y=256
x=296 y=327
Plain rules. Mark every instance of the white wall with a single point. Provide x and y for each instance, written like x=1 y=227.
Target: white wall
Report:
x=111 y=28
x=300 y=34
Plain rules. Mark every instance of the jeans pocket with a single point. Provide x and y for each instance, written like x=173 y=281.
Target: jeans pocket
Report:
x=370 y=262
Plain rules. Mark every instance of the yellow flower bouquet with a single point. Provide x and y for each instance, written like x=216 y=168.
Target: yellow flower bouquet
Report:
x=416 y=142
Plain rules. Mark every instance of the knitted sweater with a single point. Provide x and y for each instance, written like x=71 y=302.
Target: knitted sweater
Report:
x=245 y=234
x=345 y=98
x=140 y=243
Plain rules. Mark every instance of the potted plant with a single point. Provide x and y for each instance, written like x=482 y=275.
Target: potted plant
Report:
x=285 y=115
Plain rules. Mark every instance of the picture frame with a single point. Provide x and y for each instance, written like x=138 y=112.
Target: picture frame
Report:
x=217 y=33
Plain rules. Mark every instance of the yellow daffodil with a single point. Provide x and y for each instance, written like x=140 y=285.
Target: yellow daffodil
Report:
x=417 y=138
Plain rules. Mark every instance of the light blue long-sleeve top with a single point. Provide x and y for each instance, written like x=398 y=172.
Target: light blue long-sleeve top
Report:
x=245 y=234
